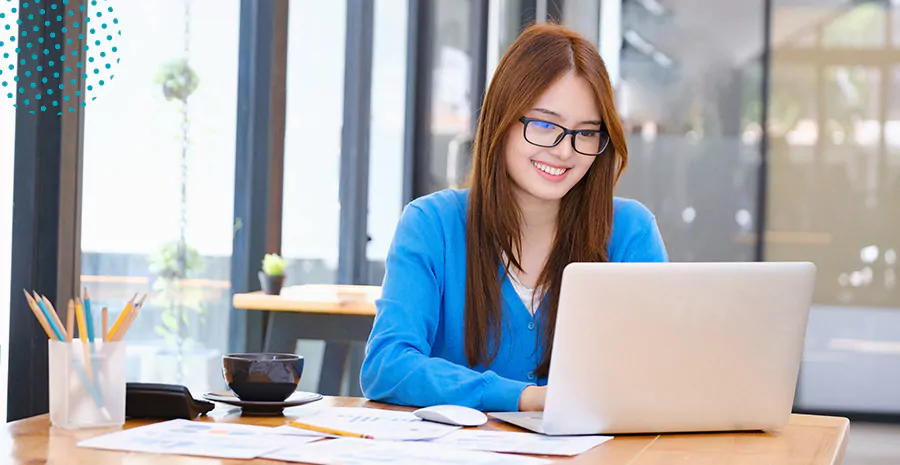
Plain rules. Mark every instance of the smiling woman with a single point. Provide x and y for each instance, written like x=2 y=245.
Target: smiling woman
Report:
x=473 y=276
x=541 y=221
x=569 y=101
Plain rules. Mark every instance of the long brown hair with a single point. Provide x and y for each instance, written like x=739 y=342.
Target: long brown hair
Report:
x=539 y=56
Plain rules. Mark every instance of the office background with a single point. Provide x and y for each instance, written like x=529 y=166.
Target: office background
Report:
x=757 y=130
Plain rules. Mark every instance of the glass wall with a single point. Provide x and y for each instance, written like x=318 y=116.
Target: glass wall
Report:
x=312 y=153
x=451 y=102
x=386 y=133
x=580 y=15
x=7 y=155
x=691 y=111
x=507 y=18
x=158 y=186
x=833 y=190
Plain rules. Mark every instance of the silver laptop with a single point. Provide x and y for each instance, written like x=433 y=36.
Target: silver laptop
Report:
x=674 y=347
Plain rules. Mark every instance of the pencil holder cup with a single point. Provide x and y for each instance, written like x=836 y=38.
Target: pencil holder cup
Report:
x=86 y=395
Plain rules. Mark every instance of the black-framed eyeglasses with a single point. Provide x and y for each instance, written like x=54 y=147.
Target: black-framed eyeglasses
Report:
x=591 y=142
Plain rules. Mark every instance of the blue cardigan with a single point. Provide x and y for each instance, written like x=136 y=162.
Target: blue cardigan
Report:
x=415 y=354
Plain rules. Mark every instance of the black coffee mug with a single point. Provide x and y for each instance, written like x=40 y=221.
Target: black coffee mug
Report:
x=262 y=377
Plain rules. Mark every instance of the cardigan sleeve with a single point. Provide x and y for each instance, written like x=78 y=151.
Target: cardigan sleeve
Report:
x=398 y=367
x=636 y=235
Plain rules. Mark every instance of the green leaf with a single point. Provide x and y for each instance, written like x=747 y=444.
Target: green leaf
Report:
x=273 y=264
x=178 y=80
x=165 y=262
x=170 y=321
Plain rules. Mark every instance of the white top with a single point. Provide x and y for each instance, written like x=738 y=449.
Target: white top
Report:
x=525 y=293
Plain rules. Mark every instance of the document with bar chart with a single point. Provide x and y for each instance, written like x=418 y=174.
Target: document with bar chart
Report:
x=380 y=424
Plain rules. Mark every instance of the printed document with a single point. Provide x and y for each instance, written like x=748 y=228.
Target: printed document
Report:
x=387 y=425
x=521 y=443
x=353 y=451
x=208 y=439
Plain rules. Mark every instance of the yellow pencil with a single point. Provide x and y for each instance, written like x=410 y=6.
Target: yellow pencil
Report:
x=331 y=431
x=121 y=319
x=104 y=322
x=39 y=315
x=83 y=334
x=54 y=315
x=134 y=314
x=70 y=321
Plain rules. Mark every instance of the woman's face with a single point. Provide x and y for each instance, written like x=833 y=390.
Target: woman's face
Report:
x=547 y=173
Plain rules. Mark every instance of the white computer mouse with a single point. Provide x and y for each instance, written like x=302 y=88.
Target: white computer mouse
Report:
x=455 y=415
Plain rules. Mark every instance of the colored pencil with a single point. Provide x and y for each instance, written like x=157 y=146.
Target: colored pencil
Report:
x=70 y=321
x=91 y=368
x=335 y=432
x=48 y=318
x=56 y=329
x=131 y=318
x=87 y=316
x=83 y=334
x=39 y=315
x=92 y=390
x=140 y=303
x=53 y=314
x=104 y=323
x=121 y=319
x=90 y=331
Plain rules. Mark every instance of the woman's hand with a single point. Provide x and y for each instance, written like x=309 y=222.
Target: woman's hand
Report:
x=532 y=399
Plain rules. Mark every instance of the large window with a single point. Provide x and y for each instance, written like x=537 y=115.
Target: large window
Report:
x=312 y=153
x=451 y=101
x=7 y=152
x=833 y=190
x=690 y=107
x=386 y=134
x=159 y=146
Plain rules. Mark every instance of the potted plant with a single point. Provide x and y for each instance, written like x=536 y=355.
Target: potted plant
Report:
x=271 y=277
x=173 y=263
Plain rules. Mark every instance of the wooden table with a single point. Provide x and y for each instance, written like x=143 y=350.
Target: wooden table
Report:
x=808 y=440
x=314 y=298
x=340 y=315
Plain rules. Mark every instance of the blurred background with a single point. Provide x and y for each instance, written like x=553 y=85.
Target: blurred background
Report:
x=757 y=130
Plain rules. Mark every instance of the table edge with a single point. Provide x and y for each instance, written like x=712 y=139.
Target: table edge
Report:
x=843 y=440
x=281 y=304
